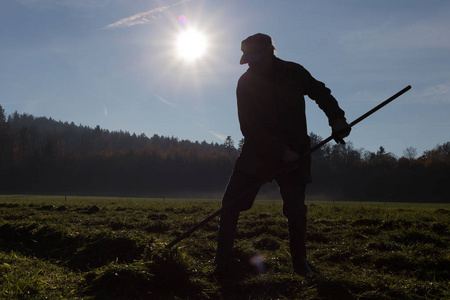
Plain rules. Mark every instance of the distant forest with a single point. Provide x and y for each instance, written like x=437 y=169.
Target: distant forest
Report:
x=39 y=155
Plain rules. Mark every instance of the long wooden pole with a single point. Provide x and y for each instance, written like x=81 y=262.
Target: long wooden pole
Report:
x=314 y=148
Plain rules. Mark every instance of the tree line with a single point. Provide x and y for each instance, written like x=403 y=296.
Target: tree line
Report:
x=39 y=155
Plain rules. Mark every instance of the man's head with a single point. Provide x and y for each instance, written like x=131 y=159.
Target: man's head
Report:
x=256 y=48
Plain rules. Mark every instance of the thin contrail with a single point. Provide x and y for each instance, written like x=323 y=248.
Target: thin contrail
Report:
x=163 y=100
x=218 y=135
x=143 y=17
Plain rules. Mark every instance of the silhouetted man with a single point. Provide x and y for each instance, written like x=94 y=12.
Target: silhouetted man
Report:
x=271 y=110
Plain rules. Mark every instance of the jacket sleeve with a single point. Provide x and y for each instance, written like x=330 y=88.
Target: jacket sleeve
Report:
x=318 y=92
x=256 y=120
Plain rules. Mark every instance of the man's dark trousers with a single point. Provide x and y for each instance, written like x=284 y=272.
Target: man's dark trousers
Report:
x=240 y=195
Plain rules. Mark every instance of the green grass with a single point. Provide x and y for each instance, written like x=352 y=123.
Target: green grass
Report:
x=54 y=247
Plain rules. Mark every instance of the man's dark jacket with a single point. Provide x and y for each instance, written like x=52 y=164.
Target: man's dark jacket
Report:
x=271 y=110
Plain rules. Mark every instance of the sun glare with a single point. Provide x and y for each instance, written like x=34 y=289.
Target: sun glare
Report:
x=191 y=44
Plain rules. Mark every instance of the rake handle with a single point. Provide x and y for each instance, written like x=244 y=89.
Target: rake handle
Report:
x=218 y=212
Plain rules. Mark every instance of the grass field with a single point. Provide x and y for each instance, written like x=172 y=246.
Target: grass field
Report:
x=52 y=247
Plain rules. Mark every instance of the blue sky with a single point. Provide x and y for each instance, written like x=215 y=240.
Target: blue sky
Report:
x=112 y=63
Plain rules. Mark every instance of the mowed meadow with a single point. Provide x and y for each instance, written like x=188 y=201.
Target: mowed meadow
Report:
x=114 y=248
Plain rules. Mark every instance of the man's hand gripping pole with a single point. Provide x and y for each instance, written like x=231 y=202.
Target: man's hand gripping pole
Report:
x=384 y=103
x=314 y=148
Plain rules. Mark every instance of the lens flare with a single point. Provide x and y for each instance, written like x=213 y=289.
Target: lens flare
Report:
x=258 y=262
x=182 y=20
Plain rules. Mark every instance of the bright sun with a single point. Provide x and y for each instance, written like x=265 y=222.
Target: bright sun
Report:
x=191 y=44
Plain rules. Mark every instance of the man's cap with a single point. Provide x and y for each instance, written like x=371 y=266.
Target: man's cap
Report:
x=253 y=47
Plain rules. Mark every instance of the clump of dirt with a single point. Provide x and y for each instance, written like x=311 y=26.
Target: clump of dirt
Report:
x=267 y=243
x=9 y=205
x=93 y=209
x=165 y=274
x=394 y=262
x=440 y=228
x=38 y=240
x=442 y=211
x=172 y=273
x=61 y=208
x=158 y=227
x=120 y=282
x=47 y=207
x=102 y=251
x=157 y=217
x=366 y=222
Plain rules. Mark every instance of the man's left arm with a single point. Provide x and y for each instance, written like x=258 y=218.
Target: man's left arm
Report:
x=317 y=91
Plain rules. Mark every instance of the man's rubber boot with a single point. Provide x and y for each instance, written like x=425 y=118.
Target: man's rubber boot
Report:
x=227 y=231
x=297 y=243
x=301 y=267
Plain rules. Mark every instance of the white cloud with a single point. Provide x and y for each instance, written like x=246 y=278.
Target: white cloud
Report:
x=143 y=17
x=434 y=95
x=438 y=90
x=439 y=93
